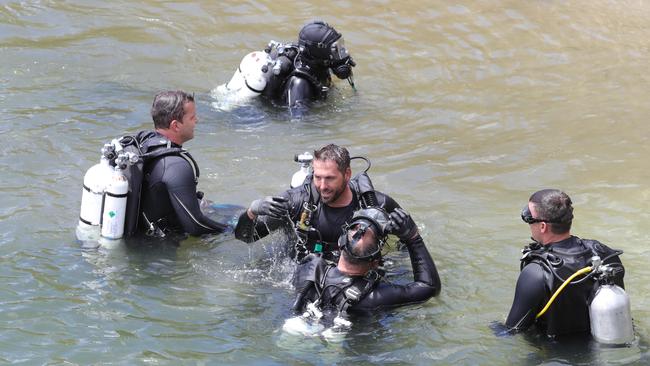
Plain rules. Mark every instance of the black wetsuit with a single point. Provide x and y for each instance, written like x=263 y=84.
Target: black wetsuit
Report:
x=317 y=276
x=297 y=82
x=569 y=313
x=326 y=220
x=169 y=199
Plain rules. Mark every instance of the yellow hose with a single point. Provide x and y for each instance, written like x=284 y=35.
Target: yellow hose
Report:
x=557 y=292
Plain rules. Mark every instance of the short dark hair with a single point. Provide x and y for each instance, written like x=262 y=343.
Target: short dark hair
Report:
x=168 y=106
x=555 y=206
x=335 y=153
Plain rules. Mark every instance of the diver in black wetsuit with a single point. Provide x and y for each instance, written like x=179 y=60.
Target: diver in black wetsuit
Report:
x=355 y=283
x=169 y=200
x=303 y=71
x=552 y=258
x=319 y=208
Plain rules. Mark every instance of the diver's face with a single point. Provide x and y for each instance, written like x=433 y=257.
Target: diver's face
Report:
x=535 y=228
x=329 y=181
x=188 y=123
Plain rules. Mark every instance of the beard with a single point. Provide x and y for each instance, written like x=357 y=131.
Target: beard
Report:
x=333 y=194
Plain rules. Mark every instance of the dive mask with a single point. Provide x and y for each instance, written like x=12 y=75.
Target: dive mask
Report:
x=338 y=52
x=374 y=219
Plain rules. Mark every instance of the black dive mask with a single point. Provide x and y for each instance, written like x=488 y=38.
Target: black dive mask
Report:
x=373 y=219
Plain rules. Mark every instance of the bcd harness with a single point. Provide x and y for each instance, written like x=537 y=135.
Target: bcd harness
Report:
x=566 y=313
x=149 y=146
x=288 y=63
x=345 y=295
x=362 y=189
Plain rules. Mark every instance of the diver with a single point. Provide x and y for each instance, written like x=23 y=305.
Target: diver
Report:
x=553 y=257
x=356 y=284
x=295 y=74
x=169 y=199
x=317 y=209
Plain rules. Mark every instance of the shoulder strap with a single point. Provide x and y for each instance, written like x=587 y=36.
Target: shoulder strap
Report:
x=358 y=290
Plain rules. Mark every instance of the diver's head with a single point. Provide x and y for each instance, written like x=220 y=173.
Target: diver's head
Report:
x=332 y=175
x=174 y=115
x=321 y=45
x=549 y=215
x=364 y=236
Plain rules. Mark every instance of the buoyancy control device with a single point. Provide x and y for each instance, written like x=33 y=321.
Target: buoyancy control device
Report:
x=610 y=317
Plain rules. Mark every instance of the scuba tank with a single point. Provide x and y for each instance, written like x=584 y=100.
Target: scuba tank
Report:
x=304 y=160
x=609 y=311
x=115 y=196
x=114 y=206
x=105 y=190
x=250 y=78
x=95 y=182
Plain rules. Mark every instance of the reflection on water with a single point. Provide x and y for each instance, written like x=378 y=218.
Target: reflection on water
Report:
x=463 y=109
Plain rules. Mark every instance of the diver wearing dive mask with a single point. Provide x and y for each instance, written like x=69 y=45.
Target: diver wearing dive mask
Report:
x=548 y=262
x=302 y=71
x=354 y=284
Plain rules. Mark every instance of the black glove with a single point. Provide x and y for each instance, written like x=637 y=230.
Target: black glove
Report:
x=273 y=206
x=402 y=225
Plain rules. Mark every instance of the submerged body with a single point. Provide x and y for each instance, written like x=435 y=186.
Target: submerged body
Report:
x=293 y=74
x=169 y=196
x=570 y=312
x=318 y=279
x=560 y=273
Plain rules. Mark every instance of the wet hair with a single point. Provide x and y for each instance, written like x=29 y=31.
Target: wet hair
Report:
x=168 y=106
x=554 y=206
x=335 y=153
x=361 y=249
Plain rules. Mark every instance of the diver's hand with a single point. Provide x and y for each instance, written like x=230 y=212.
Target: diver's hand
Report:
x=273 y=206
x=402 y=225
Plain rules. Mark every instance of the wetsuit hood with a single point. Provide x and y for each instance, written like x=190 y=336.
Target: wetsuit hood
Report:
x=316 y=39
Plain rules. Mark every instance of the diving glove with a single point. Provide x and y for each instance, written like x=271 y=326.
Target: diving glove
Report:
x=273 y=206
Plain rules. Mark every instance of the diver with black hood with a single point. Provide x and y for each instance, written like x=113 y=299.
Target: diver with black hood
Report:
x=294 y=74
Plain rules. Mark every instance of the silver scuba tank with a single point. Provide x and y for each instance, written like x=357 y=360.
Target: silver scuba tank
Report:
x=609 y=312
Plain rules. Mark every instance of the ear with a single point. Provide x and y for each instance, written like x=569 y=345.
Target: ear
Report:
x=348 y=174
x=174 y=125
x=543 y=227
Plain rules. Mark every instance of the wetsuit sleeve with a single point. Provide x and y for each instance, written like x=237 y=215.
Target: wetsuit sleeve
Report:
x=179 y=180
x=249 y=231
x=426 y=282
x=529 y=298
x=387 y=202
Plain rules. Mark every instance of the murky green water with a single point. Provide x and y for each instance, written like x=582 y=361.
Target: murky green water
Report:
x=464 y=110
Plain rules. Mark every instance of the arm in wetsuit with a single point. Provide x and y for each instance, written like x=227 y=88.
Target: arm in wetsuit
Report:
x=250 y=230
x=299 y=92
x=530 y=294
x=178 y=178
x=426 y=282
